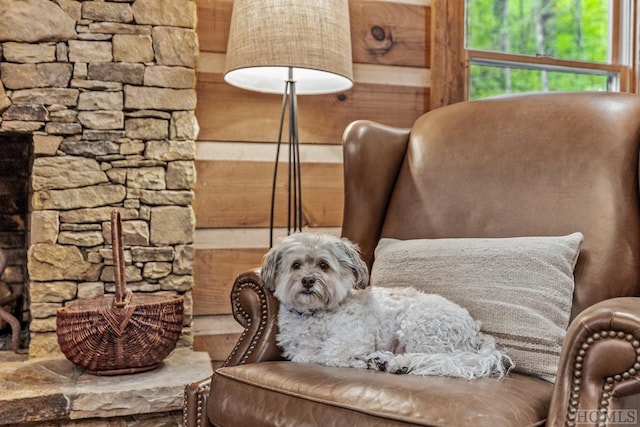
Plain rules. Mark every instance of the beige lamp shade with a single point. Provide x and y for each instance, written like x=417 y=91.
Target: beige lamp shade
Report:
x=268 y=37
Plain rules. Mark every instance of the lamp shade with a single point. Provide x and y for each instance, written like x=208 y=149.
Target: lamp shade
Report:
x=267 y=38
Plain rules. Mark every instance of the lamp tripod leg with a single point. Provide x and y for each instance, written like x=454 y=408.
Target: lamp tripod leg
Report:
x=294 y=181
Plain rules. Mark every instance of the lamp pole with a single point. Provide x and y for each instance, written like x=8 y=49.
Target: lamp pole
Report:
x=294 y=181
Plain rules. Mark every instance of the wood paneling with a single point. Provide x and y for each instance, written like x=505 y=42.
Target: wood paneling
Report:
x=226 y=113
x=390 y=33
x=389 y=38
x=214 y=19
x=219 y=346
x=214 y=273
x=382 y=32
x=238 y=194
x=449 y=70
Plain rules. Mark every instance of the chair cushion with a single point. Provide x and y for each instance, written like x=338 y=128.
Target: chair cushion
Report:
x=287 y=393
x=520 y=288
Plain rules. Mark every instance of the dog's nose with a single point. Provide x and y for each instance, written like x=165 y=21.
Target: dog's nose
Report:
x=308 y=282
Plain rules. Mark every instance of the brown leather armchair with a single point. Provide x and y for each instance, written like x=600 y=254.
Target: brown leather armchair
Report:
x=581 y=153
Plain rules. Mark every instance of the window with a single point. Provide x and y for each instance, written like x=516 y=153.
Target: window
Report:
x=516 y=46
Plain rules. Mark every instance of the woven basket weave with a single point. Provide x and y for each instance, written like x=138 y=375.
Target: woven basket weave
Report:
x=121 y=334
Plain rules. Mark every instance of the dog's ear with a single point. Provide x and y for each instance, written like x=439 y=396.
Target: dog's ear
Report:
x=355 y=263
x=270 y=267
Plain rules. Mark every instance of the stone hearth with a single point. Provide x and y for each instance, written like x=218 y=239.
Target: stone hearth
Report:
x=105 y=90
x=54 y=392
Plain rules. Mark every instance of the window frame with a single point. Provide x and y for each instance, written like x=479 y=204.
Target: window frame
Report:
x=450 y=60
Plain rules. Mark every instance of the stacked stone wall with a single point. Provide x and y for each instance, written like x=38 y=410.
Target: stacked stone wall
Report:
x=106 y=89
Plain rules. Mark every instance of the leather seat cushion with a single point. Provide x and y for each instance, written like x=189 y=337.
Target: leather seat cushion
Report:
x=286 y=393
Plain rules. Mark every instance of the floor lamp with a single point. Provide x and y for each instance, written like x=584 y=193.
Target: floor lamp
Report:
x=294 y=47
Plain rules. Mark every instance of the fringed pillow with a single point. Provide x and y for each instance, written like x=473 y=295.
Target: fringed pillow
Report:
x=520 y=288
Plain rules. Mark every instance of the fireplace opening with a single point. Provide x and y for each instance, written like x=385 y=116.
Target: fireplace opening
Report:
x=15 y=171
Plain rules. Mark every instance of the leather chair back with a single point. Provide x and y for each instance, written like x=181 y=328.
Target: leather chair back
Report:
x=525 y=165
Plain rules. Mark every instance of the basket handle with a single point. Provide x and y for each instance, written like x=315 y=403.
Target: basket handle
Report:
x=117 y=242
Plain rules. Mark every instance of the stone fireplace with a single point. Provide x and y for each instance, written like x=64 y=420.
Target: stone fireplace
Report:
x=97 y=99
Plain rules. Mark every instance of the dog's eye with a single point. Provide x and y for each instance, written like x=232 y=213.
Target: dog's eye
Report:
x=295 y=266
x=324 y=266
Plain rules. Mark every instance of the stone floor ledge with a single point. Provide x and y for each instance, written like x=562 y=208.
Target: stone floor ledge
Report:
x=53 y=389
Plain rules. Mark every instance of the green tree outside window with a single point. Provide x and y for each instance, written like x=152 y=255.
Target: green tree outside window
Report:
x=567 y=32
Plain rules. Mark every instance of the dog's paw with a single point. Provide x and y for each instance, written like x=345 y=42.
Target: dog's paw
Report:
x=399 y=370
x=400 y=365
x=379 y=360
x=376 y=363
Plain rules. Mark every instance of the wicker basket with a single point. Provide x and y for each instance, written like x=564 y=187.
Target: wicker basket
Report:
x=121 y=334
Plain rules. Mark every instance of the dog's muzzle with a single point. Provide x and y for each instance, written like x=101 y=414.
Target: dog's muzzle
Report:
x=308 y=283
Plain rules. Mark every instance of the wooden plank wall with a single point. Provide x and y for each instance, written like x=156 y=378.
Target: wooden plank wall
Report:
x=236 y=149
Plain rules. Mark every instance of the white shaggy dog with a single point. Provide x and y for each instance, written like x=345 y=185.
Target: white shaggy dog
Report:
x=327 y=316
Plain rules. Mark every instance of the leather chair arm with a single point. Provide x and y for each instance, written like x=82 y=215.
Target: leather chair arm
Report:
x=256 y=309
x=194 y=408
x=600 y=360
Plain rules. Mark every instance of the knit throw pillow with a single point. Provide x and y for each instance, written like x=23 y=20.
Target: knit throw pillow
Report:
x=519 y=288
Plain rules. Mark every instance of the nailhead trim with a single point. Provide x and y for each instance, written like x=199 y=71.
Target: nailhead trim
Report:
x=203 y=390
x=184 y=408
x=605 y=396
x=239 y=311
